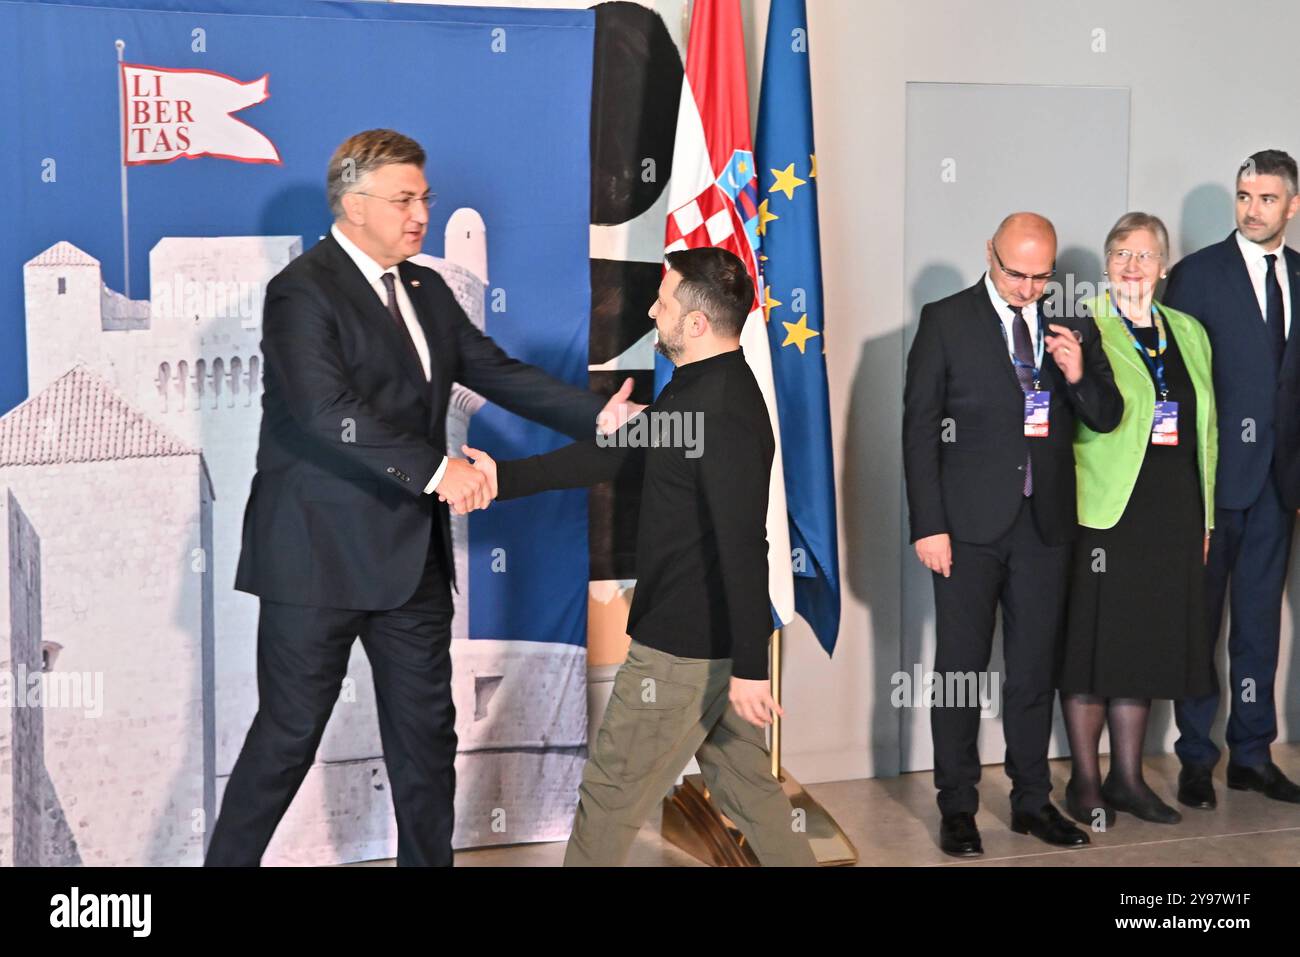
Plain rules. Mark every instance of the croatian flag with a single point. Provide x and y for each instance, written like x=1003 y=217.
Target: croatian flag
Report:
x=713 y=198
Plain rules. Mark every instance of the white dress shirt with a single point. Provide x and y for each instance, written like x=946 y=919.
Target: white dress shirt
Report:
x=1254 y=254
x=373 y=273
x=1000 y=306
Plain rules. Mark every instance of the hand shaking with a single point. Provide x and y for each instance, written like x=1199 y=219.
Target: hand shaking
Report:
x=485 y=464
x=467 y=485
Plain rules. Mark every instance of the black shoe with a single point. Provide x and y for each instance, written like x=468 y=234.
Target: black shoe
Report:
x=1147 y=806
x=1084 y=813
x=959 y=836
x=1196 y=787
x=1267 y=779
x=1048 y=825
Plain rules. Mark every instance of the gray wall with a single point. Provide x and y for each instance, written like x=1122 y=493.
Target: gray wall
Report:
x=963 y=173
x=1209 y=83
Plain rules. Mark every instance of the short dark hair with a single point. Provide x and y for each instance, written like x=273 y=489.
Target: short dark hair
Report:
x=363 y=153
x=1272 y=163
x=715 y=282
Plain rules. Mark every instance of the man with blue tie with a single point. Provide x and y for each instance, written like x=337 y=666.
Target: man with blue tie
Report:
x=1244 y=290
x=991 y=396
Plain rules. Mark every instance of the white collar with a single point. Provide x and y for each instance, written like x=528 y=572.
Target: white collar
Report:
x=1254 y=252
x=1002 y=307
x=370 y=269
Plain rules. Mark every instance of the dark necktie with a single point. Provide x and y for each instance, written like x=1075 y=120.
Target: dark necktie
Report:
x=390 y=285
x=1274 y=317
x=1024 y=349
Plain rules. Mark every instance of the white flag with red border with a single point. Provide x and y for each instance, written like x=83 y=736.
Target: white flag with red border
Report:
x=170 y=113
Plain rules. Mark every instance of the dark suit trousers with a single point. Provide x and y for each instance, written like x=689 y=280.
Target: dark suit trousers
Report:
x=1249 y=551
x=302 y=658
x=1028 y=579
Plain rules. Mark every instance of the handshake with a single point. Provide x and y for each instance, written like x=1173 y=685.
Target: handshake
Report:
x=471 y=483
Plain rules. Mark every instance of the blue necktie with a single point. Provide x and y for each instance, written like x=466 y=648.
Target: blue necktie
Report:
x=1274 y=315
x=1024 y=347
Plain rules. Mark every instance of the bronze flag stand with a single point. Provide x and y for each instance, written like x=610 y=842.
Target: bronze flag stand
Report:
x=694 y=823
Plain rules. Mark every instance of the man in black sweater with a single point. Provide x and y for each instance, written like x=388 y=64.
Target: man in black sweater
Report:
x=696 y=677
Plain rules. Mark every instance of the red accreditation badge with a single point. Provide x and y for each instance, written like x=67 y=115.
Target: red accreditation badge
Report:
x=1164 y=427
x=1037 y=406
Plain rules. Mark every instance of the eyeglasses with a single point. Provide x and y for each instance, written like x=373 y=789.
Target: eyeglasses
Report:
x=1020 y=276
x=404 y=202
x=1124 y=256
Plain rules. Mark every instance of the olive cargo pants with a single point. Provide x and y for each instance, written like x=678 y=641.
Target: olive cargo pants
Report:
x=663 y=710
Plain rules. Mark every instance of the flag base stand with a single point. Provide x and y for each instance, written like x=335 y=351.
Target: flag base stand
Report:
x=694 y=823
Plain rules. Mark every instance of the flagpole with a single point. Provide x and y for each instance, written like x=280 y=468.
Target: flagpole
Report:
x=776 y=696
x=121 y=112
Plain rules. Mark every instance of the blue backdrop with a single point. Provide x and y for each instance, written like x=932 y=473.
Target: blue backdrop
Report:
x=506 y=131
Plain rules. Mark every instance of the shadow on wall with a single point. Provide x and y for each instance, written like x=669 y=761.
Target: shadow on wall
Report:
x=871 y=509
x=1209 y=214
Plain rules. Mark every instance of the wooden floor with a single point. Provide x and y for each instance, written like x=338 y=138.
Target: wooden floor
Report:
x=894 y=821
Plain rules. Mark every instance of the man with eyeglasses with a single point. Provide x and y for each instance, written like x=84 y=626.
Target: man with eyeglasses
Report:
x=1244 y=291
x=992 y=392
x=347 y=529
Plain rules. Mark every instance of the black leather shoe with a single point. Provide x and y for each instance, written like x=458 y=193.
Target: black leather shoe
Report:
x=1049 y=825
x=1147 y=806
x=959 y=836
x=1268 y=780
x=1084 y=813
x=1196 y=787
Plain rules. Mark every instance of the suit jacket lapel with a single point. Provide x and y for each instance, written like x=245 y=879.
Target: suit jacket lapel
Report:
x=374 y=314
x=422 y=302
x=1293 y=278
x=990 y=331
x=1238 y=277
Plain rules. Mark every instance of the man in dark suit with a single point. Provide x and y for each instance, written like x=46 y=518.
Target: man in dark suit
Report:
x=990 y=488
x=347 y=530
x=1244 y=290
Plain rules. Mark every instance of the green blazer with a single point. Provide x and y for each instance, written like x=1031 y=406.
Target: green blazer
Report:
x=1107 y=463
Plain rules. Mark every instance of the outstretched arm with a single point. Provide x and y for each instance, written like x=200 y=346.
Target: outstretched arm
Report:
x=578 y=465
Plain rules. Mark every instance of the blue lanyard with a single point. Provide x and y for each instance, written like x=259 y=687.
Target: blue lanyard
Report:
x=1019 y=363
x=1154 y=359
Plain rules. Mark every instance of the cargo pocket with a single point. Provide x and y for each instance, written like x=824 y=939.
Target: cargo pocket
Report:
x=646 y=718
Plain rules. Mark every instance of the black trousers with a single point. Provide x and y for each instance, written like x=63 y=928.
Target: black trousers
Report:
x=1028 y=579
x=302 y=658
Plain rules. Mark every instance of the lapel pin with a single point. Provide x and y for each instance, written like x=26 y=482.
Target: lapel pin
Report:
x=415 y=283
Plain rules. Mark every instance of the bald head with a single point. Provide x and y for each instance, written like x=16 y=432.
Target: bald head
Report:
x=1024 y=246
x=1025 y=227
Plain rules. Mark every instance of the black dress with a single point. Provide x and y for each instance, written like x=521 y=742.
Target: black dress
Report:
x=1138 y=628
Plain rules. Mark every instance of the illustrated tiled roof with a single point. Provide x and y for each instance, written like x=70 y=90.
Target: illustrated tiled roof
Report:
x=80 y=418
x=63 y=253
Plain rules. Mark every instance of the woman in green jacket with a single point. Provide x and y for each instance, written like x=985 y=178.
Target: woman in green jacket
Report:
x=1136 y=628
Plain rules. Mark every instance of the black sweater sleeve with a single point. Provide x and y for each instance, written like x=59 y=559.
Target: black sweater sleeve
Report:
x=577 y=465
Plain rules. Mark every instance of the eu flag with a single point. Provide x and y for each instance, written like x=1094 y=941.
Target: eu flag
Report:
x=792 y=305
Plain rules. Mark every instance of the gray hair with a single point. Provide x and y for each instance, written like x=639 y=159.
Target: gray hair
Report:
x=361 y=154
x=1131 y=223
